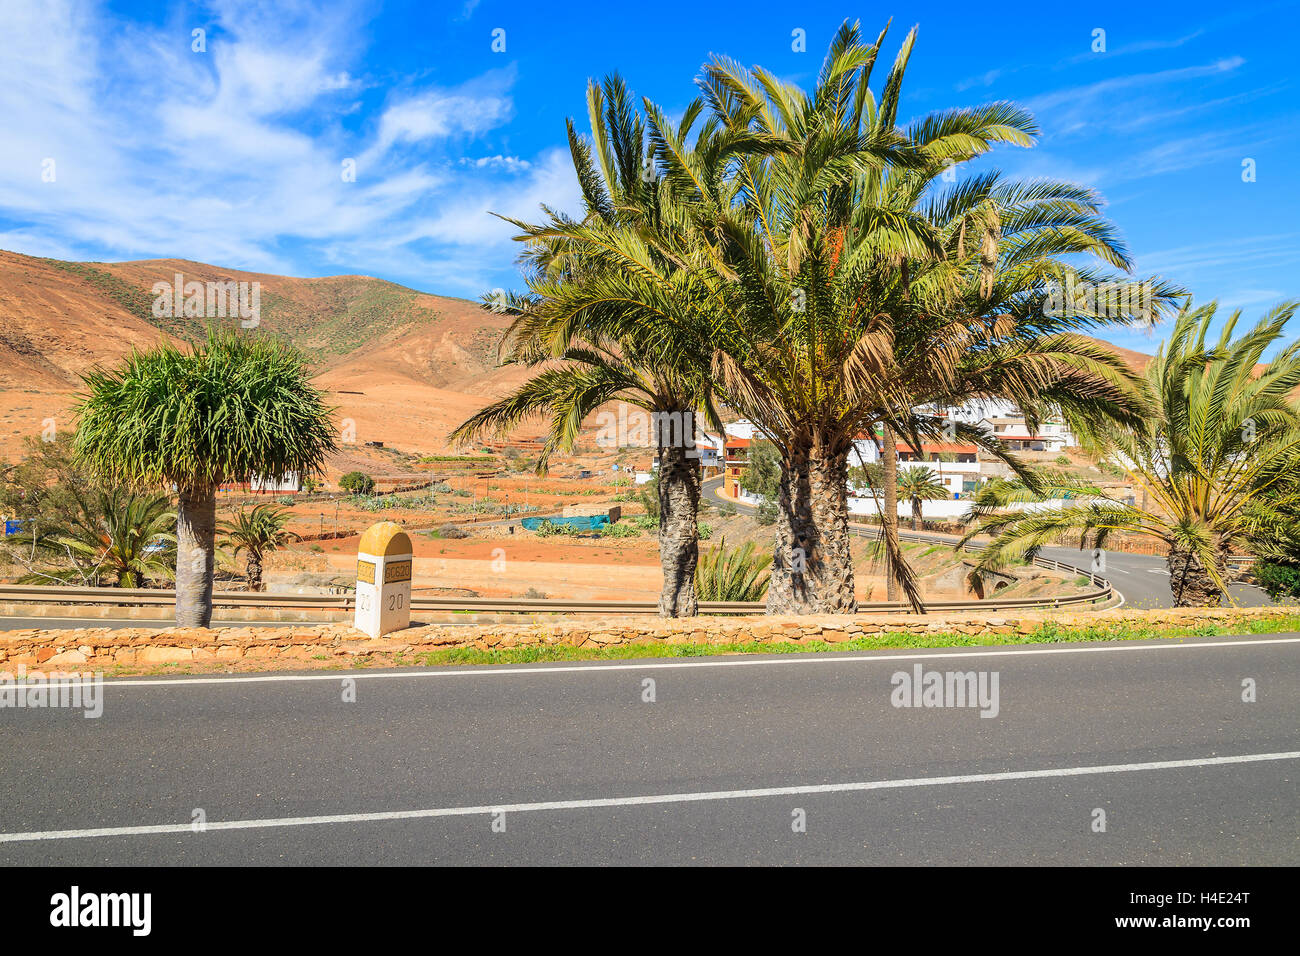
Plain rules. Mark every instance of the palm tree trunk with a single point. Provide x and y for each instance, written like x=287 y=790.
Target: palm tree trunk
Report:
x=679 y=536
x=253 y=571
x=795 y=551
x=828 y=468
x=196 y=531
x=1189 y=581
x=889 y=513
x=916 y=514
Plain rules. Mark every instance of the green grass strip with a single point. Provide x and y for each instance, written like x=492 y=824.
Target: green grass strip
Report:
x=1048 y=632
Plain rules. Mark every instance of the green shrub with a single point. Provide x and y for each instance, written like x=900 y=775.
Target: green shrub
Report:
x=357 y=483
x=736 y=574
x=1279 y=580
x=620 y=530
x=704 y=529
x=766 y=513
x=549 y=529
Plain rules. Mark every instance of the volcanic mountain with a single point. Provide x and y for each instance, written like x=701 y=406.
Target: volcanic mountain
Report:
x=404 y=366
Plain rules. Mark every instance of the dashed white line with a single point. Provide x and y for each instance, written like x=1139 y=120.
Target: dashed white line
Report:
x=661 y=798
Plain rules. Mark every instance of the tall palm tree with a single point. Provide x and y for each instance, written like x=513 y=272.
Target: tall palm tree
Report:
x=1001 y=273
x=224 y=409
x=853 y=302
x=920 y=484
x=117 y=535
x=570 y=328
x=256 y=531
x=1216 y=460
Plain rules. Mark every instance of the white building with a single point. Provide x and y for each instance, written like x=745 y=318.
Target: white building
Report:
x=260 y=484
x=1003 y=419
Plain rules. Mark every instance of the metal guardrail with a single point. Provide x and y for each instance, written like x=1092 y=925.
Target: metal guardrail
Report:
x=156 y=597
x=1104 y=591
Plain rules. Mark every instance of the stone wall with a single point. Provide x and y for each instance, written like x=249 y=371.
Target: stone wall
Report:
x=302 y=646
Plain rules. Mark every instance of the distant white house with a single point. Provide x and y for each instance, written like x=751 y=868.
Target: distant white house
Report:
x=1007 y=422
x=261 y=485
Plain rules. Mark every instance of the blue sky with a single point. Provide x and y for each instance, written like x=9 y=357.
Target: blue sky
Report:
x=234 y=155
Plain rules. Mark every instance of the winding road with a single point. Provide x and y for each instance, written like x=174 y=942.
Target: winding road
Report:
x=1142 y=579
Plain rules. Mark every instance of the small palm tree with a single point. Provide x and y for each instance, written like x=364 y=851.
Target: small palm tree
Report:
x=1217 y=461
x=570 y=329
x=919 y=484
x=225 y=409
x=256 y=531
x=115 y=535
x=736 y=574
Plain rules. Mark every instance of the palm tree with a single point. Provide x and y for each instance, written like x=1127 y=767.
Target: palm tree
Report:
x=1216 y=460
x=919 y=484
x=255 y=531
x=115 y=535
x=225 y=409
x=575 y=294
x=850 y=302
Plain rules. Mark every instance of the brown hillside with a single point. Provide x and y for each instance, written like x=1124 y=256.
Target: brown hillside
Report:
x=424 y=362
x=403 y=366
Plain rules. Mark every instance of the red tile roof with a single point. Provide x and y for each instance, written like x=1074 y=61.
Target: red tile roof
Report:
x=941 y=448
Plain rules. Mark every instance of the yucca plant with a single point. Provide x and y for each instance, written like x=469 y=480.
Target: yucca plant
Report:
x=255 y=532
x=732 y=574
x=1215 y=465
x=188 y=419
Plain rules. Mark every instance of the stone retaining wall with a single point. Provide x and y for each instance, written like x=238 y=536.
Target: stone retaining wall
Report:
x=334 y=644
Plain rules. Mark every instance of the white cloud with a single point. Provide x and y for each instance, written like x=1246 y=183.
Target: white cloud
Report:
x=234 y=156
x=512 y=163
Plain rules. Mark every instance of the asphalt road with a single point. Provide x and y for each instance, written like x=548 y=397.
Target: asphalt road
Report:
x=1142 y=579
x=713 y=770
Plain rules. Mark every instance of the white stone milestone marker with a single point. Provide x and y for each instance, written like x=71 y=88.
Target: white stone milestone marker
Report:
x=383 y=580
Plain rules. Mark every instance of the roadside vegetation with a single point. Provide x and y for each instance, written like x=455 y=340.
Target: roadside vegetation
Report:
x=1218 y=459
x=189 y=419
x=733 y=574
x=805 y=261
x=255 y=532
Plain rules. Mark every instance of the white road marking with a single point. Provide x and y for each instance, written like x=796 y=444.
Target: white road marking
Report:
x=601 y=802
x=498 y=671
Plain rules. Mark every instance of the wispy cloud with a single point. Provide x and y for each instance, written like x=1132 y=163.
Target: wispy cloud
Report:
x=1081 y=96
x=240 y=158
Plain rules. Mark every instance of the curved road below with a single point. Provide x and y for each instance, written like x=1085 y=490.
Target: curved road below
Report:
x=1142 y=579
